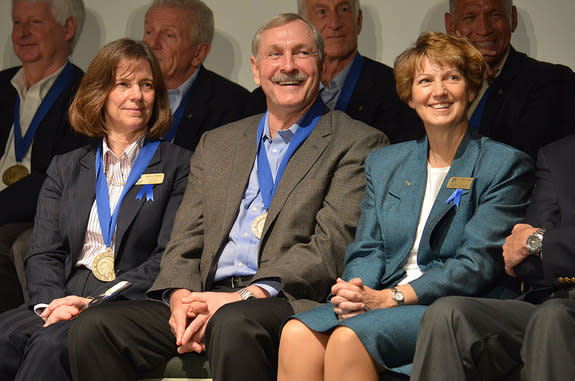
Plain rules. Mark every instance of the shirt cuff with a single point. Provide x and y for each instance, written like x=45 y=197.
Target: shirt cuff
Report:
x=39 y=308
x=272 y=286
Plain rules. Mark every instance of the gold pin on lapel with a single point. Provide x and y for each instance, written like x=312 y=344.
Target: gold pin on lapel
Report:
x=460 y=183
x=407 y=183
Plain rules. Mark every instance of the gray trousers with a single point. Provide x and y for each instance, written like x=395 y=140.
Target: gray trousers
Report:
x=462 y=338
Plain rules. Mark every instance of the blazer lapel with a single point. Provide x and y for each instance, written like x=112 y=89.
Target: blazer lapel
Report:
x=463 y=165
x=130 y=207
x=85 y=196
x=236 y=179
x=298 y=166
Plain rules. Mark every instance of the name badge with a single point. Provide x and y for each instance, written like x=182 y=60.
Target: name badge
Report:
x=151 y=178
x=460 y=183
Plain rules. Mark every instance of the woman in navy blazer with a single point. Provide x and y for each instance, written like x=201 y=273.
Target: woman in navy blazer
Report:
x=77 y=250
x=434 y=217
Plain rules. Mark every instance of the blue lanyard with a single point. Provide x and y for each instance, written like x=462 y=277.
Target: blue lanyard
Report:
x=475 y=120
x=265 y=179
x=177 y=118
x=107 y=221
x=22 y=144
x=349 y=83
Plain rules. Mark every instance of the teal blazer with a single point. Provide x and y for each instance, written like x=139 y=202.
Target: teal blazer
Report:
x=460 y=249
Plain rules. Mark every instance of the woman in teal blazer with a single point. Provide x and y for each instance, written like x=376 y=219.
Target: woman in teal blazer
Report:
x=434 y=217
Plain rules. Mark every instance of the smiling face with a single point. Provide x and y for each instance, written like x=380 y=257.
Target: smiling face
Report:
x=130 y=103
x=168 y=32
x=288 y=67
x=487 y=24
x=439 y=95
x=338 y=23
x=36 y=35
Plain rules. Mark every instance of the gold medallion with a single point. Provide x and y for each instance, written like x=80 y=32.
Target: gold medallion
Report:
x=103 y=266
x=14 y=173
x=258 y=225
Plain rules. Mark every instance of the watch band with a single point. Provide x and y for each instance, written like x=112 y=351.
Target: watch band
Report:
x=247 y=294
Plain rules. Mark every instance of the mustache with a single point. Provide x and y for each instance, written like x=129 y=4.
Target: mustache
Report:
x=289 y=77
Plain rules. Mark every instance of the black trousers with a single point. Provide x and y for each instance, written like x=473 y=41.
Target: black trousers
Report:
x=29 y=351
x=121 y=340
x=487 y=339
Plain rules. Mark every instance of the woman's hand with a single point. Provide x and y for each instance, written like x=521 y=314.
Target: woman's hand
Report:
x=353 y=298
x=64 y=309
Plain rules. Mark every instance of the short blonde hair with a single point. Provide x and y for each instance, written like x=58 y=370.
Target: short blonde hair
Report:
x=446 y=50
x=87 y=110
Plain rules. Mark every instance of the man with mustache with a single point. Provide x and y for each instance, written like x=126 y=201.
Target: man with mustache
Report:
x=271 y=203
x=524 y=102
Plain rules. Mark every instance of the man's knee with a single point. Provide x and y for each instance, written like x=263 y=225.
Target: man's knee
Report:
x=446 y=310
x=551 y=315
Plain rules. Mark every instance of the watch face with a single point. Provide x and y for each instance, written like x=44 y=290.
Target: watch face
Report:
x=398 y=296
x=534 y=243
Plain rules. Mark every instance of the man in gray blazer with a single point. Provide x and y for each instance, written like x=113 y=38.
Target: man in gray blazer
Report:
x=248 y=249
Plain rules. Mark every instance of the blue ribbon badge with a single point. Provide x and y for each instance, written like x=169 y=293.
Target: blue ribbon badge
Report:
x=455 y=197
x=148 y=190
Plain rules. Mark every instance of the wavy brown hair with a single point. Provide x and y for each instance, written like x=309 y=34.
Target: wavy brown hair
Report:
x=87 y=110
x=446 y=50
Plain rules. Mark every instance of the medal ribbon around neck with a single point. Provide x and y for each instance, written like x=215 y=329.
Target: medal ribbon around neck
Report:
x=22 y=144
x=265 y=179
x=349 y=83
x=177 y=118
x=107 y=221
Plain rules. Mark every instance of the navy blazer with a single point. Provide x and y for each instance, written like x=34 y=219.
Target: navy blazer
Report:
x=553 y=207
x=529 y=104
x=460 y=249
x=53 y=137
x=213 y=102
x=142 y=232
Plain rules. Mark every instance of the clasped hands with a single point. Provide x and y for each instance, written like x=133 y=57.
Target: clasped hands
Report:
x=191 y=312
x=353 y=298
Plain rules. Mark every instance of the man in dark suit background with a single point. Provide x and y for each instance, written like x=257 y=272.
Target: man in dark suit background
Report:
x=180 y=34
x=472 y=338
x=524 y=102
x=34 y=100
x=267 y=247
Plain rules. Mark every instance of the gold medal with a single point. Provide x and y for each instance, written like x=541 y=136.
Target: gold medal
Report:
x=103 y=266
x=14 y=173
x=258 y=225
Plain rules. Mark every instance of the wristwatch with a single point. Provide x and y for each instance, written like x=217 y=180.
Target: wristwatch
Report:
x=535 y=242
x=397 y=296
x=247 y=294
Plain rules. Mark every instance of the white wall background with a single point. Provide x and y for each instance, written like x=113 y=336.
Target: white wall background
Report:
x=546 y=29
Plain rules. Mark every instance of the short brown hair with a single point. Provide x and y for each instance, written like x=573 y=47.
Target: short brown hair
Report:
x=446 y=50
x=87 y=110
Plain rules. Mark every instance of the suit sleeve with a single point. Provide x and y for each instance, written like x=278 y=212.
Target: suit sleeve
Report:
x=46 y=260
x=184 y=249
x=365 y=257
x=545 y=211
